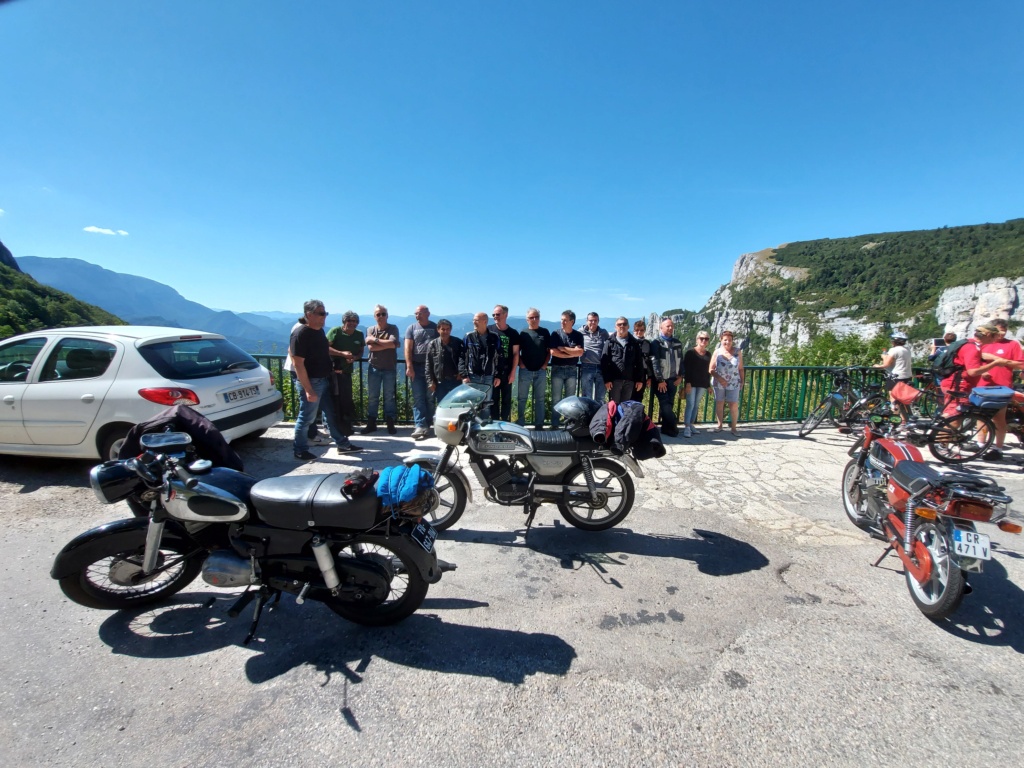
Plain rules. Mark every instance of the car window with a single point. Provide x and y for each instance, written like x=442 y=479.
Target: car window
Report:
x=17 y=358
x=196 y=358
x=78 y=359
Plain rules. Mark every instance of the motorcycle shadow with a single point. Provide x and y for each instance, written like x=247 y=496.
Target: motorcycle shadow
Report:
x=184 y=626
x=714 y=554
x=993 y=614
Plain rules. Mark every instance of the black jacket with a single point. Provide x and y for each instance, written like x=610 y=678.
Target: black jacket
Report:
x=436 y=353
x=480 y=357
x=623 y=362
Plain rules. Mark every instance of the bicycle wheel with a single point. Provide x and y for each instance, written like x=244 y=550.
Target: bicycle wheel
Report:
x=961 y=438
x=859 y=414
x=817 y=416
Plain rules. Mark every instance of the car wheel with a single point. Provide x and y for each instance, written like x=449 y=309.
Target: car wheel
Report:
x=112 y=440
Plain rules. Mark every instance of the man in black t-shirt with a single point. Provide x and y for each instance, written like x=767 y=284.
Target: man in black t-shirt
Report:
x=566 y=351
x=534 y=353
x=501 y=406
x=311 y=357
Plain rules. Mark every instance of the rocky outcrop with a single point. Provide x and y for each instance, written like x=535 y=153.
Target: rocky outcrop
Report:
x=7 y=258
x=960 y=310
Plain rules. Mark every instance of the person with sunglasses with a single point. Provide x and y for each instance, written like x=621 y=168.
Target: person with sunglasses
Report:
x=347 y=343
x=667 y=365
x=696 y=363
x=501 y=406
x=311 y=357
x=382 y=340
x=622 y=366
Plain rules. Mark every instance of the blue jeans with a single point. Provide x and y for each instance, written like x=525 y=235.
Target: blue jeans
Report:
x=376 y=380
x=422 y=407
x=693 y=398
x=539 y=381
x=307 y=414
x=593 y=382
x=563 y=385
x=666 y=403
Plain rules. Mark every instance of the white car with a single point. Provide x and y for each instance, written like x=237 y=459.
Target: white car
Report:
x=75 y=392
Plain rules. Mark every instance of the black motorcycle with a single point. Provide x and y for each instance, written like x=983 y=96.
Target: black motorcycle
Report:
x=319 y=537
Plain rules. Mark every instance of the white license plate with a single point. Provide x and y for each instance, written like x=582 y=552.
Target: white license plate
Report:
x=241 y=394
x=971 y=544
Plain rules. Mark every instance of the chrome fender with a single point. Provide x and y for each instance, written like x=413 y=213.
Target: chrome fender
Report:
x=429 y=462
x=633 y=464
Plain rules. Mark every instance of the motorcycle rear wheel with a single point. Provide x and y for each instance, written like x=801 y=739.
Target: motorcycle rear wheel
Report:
x=450 y=500
x=954 y=440
x=940 y=596
x=408 y=587
x=854 y=501
x=114 y=581
x=817 y=416
x=615 y=497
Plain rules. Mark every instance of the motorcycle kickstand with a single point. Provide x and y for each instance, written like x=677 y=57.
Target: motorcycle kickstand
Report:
x=262 y=596
x=884 y=555
x=529 y=510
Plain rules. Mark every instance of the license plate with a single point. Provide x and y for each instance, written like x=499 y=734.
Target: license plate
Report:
x=425 y=535
x=971 y=544
x=241 y=394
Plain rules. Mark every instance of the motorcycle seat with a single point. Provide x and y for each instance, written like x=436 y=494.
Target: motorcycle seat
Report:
x=561 y=442
x=312 y=501
x=911 y=474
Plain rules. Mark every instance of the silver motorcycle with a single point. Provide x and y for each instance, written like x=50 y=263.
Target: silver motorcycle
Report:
x=518 y=467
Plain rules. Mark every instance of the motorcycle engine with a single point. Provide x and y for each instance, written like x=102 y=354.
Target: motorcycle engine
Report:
x=504 y=486
x=224 y=568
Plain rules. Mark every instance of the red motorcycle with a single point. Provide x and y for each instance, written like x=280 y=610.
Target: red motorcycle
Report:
x=925 y=516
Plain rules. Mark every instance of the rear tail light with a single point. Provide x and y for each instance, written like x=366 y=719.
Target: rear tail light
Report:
x=169 y=396
x=970 y=510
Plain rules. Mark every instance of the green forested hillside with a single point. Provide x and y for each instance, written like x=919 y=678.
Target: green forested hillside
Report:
x=889 y=275
x=26 y=305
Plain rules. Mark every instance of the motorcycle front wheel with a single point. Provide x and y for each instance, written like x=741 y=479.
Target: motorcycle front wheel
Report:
x=957 y=439
x=817 y=416
x=449 y=502
x=408 y=587
x=854 y=501
x=114 y=579
x=614 y=497
x=941 y=594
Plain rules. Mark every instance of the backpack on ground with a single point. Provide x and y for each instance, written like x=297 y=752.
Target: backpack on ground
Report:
x=944 y=364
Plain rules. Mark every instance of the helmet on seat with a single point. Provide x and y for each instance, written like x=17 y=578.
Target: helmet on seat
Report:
x=575 y=414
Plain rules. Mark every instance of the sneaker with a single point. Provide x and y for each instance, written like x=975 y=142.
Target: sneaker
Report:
x=687 y=432
x=371 y=426
x=418 y=433
x=993 y=454
x=694 y=430
x=348 y=448
x=319 y=439
x=305 y=456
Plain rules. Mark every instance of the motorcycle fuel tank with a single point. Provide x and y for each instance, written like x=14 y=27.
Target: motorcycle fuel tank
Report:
x=500 y=438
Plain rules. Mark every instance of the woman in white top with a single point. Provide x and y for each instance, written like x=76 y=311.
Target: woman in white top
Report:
x=727 y=374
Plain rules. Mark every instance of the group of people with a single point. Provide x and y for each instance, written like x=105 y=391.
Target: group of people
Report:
x=989 y=359
x=616 y=366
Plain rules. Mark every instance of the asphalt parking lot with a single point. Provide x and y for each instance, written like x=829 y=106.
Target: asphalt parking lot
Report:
x=734 y=618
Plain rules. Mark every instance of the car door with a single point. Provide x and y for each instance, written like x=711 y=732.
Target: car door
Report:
x=17 y=359
x=61 y=404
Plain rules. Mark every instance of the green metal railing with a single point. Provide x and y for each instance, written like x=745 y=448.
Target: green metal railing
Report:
x=771 y=393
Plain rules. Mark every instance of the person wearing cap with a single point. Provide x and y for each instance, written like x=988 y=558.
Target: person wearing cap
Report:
x=1009 y=351
x=969 y=368
x=898 y=364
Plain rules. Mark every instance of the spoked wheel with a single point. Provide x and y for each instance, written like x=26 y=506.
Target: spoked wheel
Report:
x=449 y=502
x=614 y=497
x=958 y=439
x=817 y=416
x=408 y=588
x=941 y=594
x=114 y=579
x=854 y=500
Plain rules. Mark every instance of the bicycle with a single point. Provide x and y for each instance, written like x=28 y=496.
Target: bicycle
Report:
x=853 y=406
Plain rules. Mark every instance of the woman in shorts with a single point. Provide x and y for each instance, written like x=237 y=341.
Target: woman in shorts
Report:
x=727 y=376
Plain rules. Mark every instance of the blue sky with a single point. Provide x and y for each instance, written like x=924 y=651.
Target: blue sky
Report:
x=608 y=156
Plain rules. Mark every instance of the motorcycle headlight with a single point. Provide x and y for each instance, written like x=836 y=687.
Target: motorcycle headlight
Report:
x=112 y=481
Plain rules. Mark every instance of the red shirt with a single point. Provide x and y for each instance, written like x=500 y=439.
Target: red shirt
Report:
x=1008 y=349
x=968 y=356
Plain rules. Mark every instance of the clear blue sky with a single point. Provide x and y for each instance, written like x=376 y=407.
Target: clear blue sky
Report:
x=609 y=156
